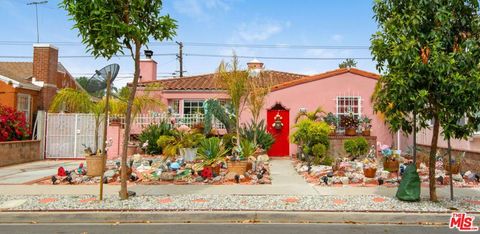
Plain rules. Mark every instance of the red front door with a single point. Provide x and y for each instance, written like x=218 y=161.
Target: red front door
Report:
x=281 y=134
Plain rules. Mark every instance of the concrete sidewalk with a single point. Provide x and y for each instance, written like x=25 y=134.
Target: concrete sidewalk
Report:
x=26 y=172
x=285 y=181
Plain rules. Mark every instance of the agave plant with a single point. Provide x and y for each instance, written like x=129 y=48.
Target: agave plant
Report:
x=247 y=149
x=264 y=139
x=211 y=151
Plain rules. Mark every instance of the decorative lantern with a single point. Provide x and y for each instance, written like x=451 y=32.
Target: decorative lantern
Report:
x=277 y=124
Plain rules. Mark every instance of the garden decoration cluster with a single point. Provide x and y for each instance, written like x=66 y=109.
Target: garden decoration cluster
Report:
x=387 y=168
x=13 y=126
x=361 y=164
x=184 y=155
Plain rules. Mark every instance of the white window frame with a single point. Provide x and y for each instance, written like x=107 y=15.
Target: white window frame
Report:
x=337 y=100
x=188 y=101
x=171 y=103
x=27 y=111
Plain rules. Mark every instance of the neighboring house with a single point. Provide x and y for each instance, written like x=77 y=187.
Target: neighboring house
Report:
x=335 y=91
x=31 y=86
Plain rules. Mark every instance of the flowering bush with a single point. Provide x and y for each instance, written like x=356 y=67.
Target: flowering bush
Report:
x=349 y=121
x=13 y=126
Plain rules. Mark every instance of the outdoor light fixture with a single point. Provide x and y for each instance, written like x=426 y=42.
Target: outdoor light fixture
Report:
x=148 y=54
x=303 y=110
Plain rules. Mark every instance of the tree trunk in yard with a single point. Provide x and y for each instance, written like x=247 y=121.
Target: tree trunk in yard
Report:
x=432 y=161
x=128 y=115
x=97 y=123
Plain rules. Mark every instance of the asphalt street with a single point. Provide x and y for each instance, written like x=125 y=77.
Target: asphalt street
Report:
x=218 y=228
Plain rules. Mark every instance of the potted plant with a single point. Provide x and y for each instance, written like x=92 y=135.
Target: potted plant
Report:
x=332 y=121
x=456 y=163
x=238 y=164
x=366 y=125
x=212 y=152
x=350 y=123
x=390 y=160
x=188 y=140
x=356 y=147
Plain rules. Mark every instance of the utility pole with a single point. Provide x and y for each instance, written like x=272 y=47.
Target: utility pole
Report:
x=180 y=57
x=36 y=14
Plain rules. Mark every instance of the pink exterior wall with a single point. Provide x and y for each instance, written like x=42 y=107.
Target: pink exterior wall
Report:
x=472 y=144
x=323 y=93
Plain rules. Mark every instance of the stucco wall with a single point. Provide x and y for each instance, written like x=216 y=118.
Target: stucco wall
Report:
x=16 y=152
x=323 y=93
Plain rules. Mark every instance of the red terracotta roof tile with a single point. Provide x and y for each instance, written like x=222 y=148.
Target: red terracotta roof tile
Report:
x=208 y=81
x=324 y=75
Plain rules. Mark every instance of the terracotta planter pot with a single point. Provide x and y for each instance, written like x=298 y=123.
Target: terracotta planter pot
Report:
x=238 y=167
x=350 y=132
x=95 y=164
x=370 y=172
x=391 y=165
x=131 y=150
x=366 y=132
x=455 y=167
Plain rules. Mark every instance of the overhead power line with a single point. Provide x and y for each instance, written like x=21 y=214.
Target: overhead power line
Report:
x=275 y=57
x=214 y=44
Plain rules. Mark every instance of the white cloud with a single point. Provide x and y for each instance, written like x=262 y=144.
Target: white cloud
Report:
x=337 y=38
x=259 y=30
x=200 y=8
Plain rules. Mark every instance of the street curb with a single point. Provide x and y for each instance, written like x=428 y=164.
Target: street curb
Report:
x=226 y=217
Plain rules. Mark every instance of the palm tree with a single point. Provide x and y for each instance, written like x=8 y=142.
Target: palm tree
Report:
x=313 y=115
x=235 y=81
x=348 y=63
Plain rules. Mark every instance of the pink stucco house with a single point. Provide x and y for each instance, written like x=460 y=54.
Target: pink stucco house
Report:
x=335 y=91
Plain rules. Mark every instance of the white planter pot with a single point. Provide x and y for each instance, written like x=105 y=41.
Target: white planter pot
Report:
x=188 y=154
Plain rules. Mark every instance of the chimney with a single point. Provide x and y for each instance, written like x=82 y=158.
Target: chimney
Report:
x=255 y=64
x=148 y=67
x=45 y=66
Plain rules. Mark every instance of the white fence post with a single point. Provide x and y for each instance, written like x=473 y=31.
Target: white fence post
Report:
x=75 y=137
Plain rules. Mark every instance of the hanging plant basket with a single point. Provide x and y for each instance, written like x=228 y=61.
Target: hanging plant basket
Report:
x=350 y=132
x=95 y=164
x=391 y=164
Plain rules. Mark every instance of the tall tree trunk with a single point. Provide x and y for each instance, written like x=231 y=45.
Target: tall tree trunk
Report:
x=128 y=115
x=255 y=127
x=433 y=153
x=450 y=168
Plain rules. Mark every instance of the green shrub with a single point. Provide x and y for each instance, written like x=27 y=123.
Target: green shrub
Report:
x=319 y=152
x=248 y=149
x=265 y=140
x=312 y=136
x=229 y=141
x=168 y=146
x=150 y=135
x=211 y=151
x=327 y=161
x=356 y=147
x=362 y=145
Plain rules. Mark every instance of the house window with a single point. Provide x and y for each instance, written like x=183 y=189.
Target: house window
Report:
x=349 y=104
x=23 y=105
x=193 y=107
x=174 y=106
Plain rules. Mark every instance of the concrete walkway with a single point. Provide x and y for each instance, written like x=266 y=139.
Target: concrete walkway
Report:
x=26 y=172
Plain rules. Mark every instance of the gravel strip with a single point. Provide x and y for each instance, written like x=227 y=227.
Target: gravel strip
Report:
x=238 y=202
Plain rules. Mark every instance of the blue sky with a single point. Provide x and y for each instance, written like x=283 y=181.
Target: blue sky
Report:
x=270 y=22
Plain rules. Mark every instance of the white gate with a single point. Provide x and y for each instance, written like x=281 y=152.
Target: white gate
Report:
x=67 y=135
